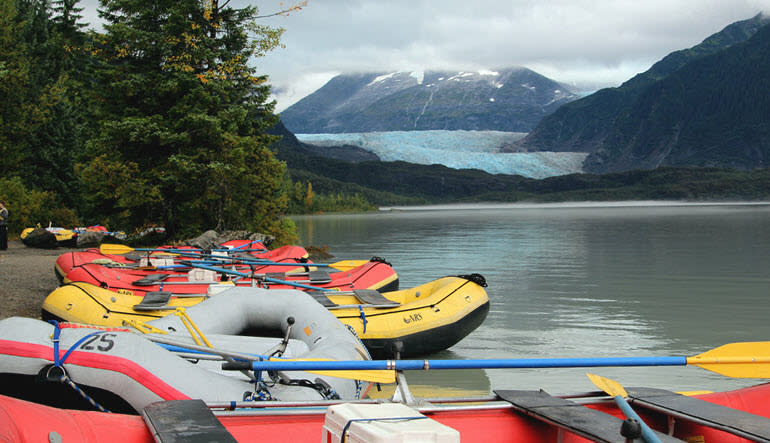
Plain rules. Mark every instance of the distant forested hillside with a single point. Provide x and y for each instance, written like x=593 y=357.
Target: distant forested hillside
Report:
x=400 y=183
x=652 y=120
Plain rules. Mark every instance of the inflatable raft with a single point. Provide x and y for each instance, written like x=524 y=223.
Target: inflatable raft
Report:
x=425 y=319
x=48 y=238
x=120 y=367
x=165 y=255
x=738 y=416
x=374 y=274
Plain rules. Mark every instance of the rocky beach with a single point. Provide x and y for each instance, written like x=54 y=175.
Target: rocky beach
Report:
x=26 y=277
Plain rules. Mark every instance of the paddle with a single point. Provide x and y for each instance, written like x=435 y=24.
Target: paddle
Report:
x=118 y=249
x=267 y=279
x=386 y=377
x=615 y=390
x=343 y=265
x=739 y=360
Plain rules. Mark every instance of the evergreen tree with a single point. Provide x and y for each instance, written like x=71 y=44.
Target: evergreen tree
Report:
x=54 y=47
x=182 y=140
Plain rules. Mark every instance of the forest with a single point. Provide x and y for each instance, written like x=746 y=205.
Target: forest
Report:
x=158 y=120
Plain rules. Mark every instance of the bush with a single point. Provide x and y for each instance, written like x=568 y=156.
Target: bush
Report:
x=28 y=207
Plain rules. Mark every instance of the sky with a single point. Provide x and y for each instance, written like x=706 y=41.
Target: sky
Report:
x=588 y=44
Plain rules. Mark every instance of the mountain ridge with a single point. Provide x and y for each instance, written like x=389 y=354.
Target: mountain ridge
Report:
x=586 y=125
x=509 y=99
x=712 y=112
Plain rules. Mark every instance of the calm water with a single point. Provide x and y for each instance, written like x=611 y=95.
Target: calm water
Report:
x=580 y=281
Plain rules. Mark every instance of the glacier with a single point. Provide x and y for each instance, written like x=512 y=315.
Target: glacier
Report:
x=456 y=149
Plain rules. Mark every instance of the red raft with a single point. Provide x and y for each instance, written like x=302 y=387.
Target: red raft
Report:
x=375 y=274
x=68 y=261
x=510 y=416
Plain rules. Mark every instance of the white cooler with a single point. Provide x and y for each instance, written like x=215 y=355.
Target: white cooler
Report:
x=383 y=423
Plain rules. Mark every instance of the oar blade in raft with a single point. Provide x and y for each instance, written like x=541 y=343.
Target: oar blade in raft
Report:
x=383 y=376
x=345 y=265
x=115 y=249
x=618 y=392
x=607 y=385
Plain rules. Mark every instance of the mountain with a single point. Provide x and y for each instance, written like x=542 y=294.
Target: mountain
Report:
x=714 y=111
x=511 y=100
x=618 y=119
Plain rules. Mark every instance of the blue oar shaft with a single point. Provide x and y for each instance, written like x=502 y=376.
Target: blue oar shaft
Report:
x=255 y=260
x=268 y=279
x=277 y=365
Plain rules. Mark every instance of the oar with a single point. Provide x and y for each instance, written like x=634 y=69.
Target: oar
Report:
x=118 y=249
x=267 y=279
x=617 y=391
x=386 y=377
x=343 y=265
x=739 y=360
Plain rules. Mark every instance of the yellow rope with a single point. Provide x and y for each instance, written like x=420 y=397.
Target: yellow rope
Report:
x=192 y=328
x=143 y=327
x=195 y=332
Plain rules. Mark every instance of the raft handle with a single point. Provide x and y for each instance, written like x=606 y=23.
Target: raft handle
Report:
x=236 y=366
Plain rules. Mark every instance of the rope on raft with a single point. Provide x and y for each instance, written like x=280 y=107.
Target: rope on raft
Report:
x=59 y=364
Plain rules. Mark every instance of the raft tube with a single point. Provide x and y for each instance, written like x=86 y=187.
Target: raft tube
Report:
x=132 y=367
x=69 y=260
x=376 y=275
x=425 y=319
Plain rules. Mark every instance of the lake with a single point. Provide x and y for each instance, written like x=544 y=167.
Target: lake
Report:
x=579 y=280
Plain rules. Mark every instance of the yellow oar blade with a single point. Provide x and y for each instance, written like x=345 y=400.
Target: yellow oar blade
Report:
x=106 y=248
x=607 y=385
x=738 y=360
x=373 y=376
x=347 y=265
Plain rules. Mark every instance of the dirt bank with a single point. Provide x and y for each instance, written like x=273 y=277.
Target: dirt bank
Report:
x=26 y=278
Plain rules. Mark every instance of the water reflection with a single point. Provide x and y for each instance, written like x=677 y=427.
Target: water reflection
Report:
x=583 y=281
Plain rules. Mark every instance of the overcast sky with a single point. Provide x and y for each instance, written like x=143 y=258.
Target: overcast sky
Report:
x=586 y=43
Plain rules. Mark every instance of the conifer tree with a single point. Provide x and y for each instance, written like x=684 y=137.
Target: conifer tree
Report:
x=182 y=140
x=55 y=118
x=14 y=71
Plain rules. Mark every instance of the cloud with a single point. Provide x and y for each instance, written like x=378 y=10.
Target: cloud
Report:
x=588 y=43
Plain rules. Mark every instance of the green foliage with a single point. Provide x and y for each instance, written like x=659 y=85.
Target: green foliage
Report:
x=302 y=200
x=184 y=115
x=28 y=207
x=342 y=203
x=16 y=114
x=41 y=109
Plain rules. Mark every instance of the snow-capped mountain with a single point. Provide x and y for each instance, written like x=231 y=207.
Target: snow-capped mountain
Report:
x=510 y=100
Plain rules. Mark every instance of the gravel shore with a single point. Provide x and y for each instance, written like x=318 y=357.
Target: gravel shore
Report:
x=26 y=278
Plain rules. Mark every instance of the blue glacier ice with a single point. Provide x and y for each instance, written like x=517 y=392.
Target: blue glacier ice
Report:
x=456 y=149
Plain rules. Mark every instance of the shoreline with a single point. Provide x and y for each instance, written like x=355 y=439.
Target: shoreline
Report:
x=27 y=276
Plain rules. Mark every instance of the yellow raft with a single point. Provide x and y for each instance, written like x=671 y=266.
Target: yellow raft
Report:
x=425 y=319
x=64 y=237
